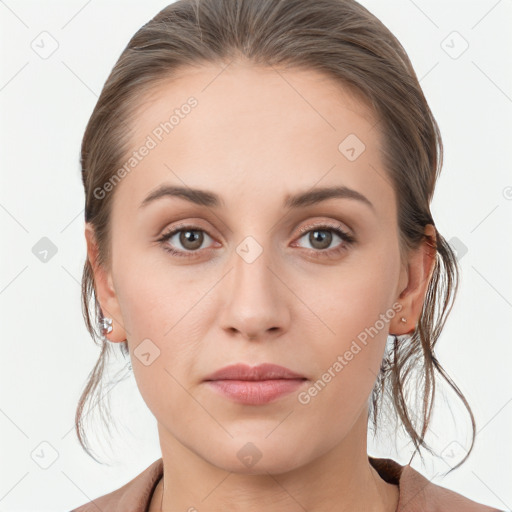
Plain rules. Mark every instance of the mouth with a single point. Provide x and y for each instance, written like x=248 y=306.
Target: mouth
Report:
x=257 y=385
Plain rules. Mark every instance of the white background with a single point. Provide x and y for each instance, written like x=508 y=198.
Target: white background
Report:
x=46 y=350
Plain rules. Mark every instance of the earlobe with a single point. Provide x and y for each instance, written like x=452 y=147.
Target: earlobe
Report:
x=420 y=267
x=104 y=289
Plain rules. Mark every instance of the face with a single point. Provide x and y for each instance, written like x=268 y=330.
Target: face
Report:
x=256 y=274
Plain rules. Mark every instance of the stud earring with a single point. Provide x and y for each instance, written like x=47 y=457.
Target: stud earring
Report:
x=106 y=325
x=404 y=320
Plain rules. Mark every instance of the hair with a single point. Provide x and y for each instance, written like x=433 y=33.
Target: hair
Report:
x=342 y=40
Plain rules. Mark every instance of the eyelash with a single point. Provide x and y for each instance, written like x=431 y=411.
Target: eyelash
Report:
x=347 y=238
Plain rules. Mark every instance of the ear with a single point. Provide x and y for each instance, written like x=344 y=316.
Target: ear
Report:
x=105 y=292
x=416 y=275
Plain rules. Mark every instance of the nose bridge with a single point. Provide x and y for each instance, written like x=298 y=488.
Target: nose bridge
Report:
x=251 y=275
x=254 y=256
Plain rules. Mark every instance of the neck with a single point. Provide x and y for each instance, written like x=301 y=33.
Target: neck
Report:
x=341 y=480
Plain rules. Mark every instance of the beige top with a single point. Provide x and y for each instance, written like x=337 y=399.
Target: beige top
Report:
x=416 y=493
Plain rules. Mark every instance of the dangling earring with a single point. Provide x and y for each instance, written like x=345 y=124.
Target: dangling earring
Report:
x=106 y=325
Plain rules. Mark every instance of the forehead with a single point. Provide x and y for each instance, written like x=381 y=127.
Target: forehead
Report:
x=255 y=131
x=232 y=97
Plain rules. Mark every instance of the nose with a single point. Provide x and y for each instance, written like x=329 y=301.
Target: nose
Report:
x=255 y=298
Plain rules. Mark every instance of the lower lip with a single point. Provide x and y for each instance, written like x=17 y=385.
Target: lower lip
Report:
x=255 y=392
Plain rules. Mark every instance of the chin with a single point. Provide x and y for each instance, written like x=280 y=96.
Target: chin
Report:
x=255 y=455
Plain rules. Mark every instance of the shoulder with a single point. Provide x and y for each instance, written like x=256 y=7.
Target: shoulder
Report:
x=134 y=496
x=417 y=493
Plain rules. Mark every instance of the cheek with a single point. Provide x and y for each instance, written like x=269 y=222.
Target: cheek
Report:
x=164 y=316
x=352 y=299
x=355 y=309
x=155 y=298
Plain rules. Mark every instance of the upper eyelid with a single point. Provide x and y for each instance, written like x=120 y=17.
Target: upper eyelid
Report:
x=319 y=223
x=324 y=225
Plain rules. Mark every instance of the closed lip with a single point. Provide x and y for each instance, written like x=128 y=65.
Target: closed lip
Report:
x=264 y=371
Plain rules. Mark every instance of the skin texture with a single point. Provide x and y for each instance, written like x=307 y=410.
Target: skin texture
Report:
x=257 y=135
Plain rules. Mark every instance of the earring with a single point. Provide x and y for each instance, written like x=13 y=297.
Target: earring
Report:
x=106 y=325
x=404 y=320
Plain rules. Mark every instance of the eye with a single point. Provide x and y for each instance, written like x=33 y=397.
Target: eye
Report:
x=321 y=237
x=191 y=239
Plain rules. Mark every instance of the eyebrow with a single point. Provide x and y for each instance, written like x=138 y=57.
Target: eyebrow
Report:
x=299 y=200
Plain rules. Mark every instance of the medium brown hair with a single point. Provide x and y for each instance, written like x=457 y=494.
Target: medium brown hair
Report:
x=344 y=41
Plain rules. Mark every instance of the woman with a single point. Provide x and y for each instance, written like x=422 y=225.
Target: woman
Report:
x=258 y=176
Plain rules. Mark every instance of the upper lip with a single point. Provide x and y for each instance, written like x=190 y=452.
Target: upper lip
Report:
x=265 y=371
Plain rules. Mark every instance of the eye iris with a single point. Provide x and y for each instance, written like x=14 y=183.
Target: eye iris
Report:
x=190 y=235
x=325 y=237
